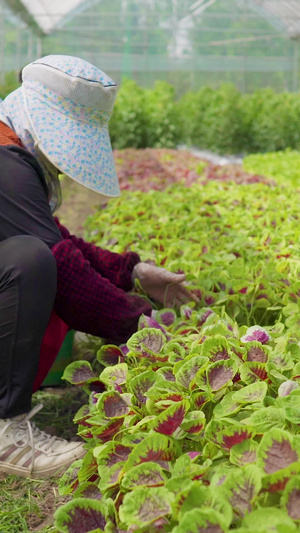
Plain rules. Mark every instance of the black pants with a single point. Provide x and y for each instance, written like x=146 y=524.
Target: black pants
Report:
x=27 y=292
x=27 y=276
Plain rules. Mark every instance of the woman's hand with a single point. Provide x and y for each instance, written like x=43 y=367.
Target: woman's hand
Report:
x=163 y=286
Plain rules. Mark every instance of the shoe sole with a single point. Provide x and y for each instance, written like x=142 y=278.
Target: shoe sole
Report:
x=40 y=473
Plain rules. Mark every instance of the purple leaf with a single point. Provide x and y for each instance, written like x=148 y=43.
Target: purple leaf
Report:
x=112 y=405
x=88 y=490
x=170 y=419
x=105 y=433
x=291 y=498
x=78 y=372
x=94 y=385
x=124 y=348
x=276 y=451
x=112 y=454
x=110 y=355
x=256 y=333
x=141 y=383
x=149 y=322
x=287 y=387
x=167 y=317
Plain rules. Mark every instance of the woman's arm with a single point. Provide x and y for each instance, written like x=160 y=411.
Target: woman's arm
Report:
x=89 y=302
x=117 y=268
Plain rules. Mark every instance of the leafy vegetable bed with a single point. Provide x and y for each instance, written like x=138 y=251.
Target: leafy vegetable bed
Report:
x=193 y=426
x=156 y=169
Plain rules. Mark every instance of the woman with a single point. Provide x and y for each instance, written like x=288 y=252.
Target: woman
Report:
x=51 y=281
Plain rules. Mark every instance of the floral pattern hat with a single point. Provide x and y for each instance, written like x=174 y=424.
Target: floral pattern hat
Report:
x=68 y=103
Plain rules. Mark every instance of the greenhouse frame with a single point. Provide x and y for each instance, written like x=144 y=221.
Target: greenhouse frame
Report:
x=251 y=43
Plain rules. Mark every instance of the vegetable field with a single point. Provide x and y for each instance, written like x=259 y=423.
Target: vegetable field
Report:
x=193 y=425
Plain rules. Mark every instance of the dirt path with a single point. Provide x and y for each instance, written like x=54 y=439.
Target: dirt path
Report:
x=78 y=203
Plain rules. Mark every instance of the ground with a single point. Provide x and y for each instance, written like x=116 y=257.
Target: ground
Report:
x=78 y=203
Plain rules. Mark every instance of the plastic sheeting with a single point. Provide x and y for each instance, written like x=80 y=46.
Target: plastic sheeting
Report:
x=47 y=14
x=282 y=14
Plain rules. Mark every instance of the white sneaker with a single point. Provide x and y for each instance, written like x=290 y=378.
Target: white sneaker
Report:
x=27 y=451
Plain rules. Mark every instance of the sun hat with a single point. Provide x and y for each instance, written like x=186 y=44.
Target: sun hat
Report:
x=69 y=102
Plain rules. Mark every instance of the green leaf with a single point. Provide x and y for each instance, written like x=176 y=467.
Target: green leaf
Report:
x=193 y=423
x=104 y=430
x=244 y=453
x=109 y=355
x=227 y=406
x=201 y=520
x=242 y=486
x=145 y=475
x=267 y=418
x=68 y=483
x=89 y=467
x=282 y=361
x=144 y=506
x=175 y=351
x=166 y=372
x=252 y=372
x=78 y=372
x=291 y=498
x=148 y=343
x=81 y=515
x=215 y=427
x=110 y=454
x=187 y=371
x=112 y=405
x=255 y=351
x=251 y=393
x=190 y=497
x=216 y=348
x=155 y=448
x=220 y=374
x=88 y=490
x=170 y=419
x=110 y=477
x=233 y=435
x=271 y=518
x=141 y=383
x=291 y=405
x=276 y=451
x=116 y=374
x=216 y=376
x=166 y=317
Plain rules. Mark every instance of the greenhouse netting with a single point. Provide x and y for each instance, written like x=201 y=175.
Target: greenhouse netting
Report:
x=252 y=43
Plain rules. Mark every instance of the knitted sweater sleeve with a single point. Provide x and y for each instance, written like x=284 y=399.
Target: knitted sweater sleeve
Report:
x=92 y=287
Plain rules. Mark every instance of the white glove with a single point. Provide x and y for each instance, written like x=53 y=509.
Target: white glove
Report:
x=162 y=286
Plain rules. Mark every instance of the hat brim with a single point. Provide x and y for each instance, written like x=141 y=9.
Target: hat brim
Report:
x=81 y=151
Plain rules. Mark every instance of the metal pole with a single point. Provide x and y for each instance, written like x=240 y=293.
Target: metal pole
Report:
x=2 y=32
x=19 y=40
x=175 y=21
x=29 y=46
x=296 y=66
x=39 y=47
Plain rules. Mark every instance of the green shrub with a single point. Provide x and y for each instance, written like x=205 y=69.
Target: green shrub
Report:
x=128 y=122
x=10 y=84
x=222 y=120
x=163 y=124
x=272 y=121
x=145 y=117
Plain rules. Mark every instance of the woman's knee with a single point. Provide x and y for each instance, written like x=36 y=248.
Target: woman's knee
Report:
x=27 y=254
